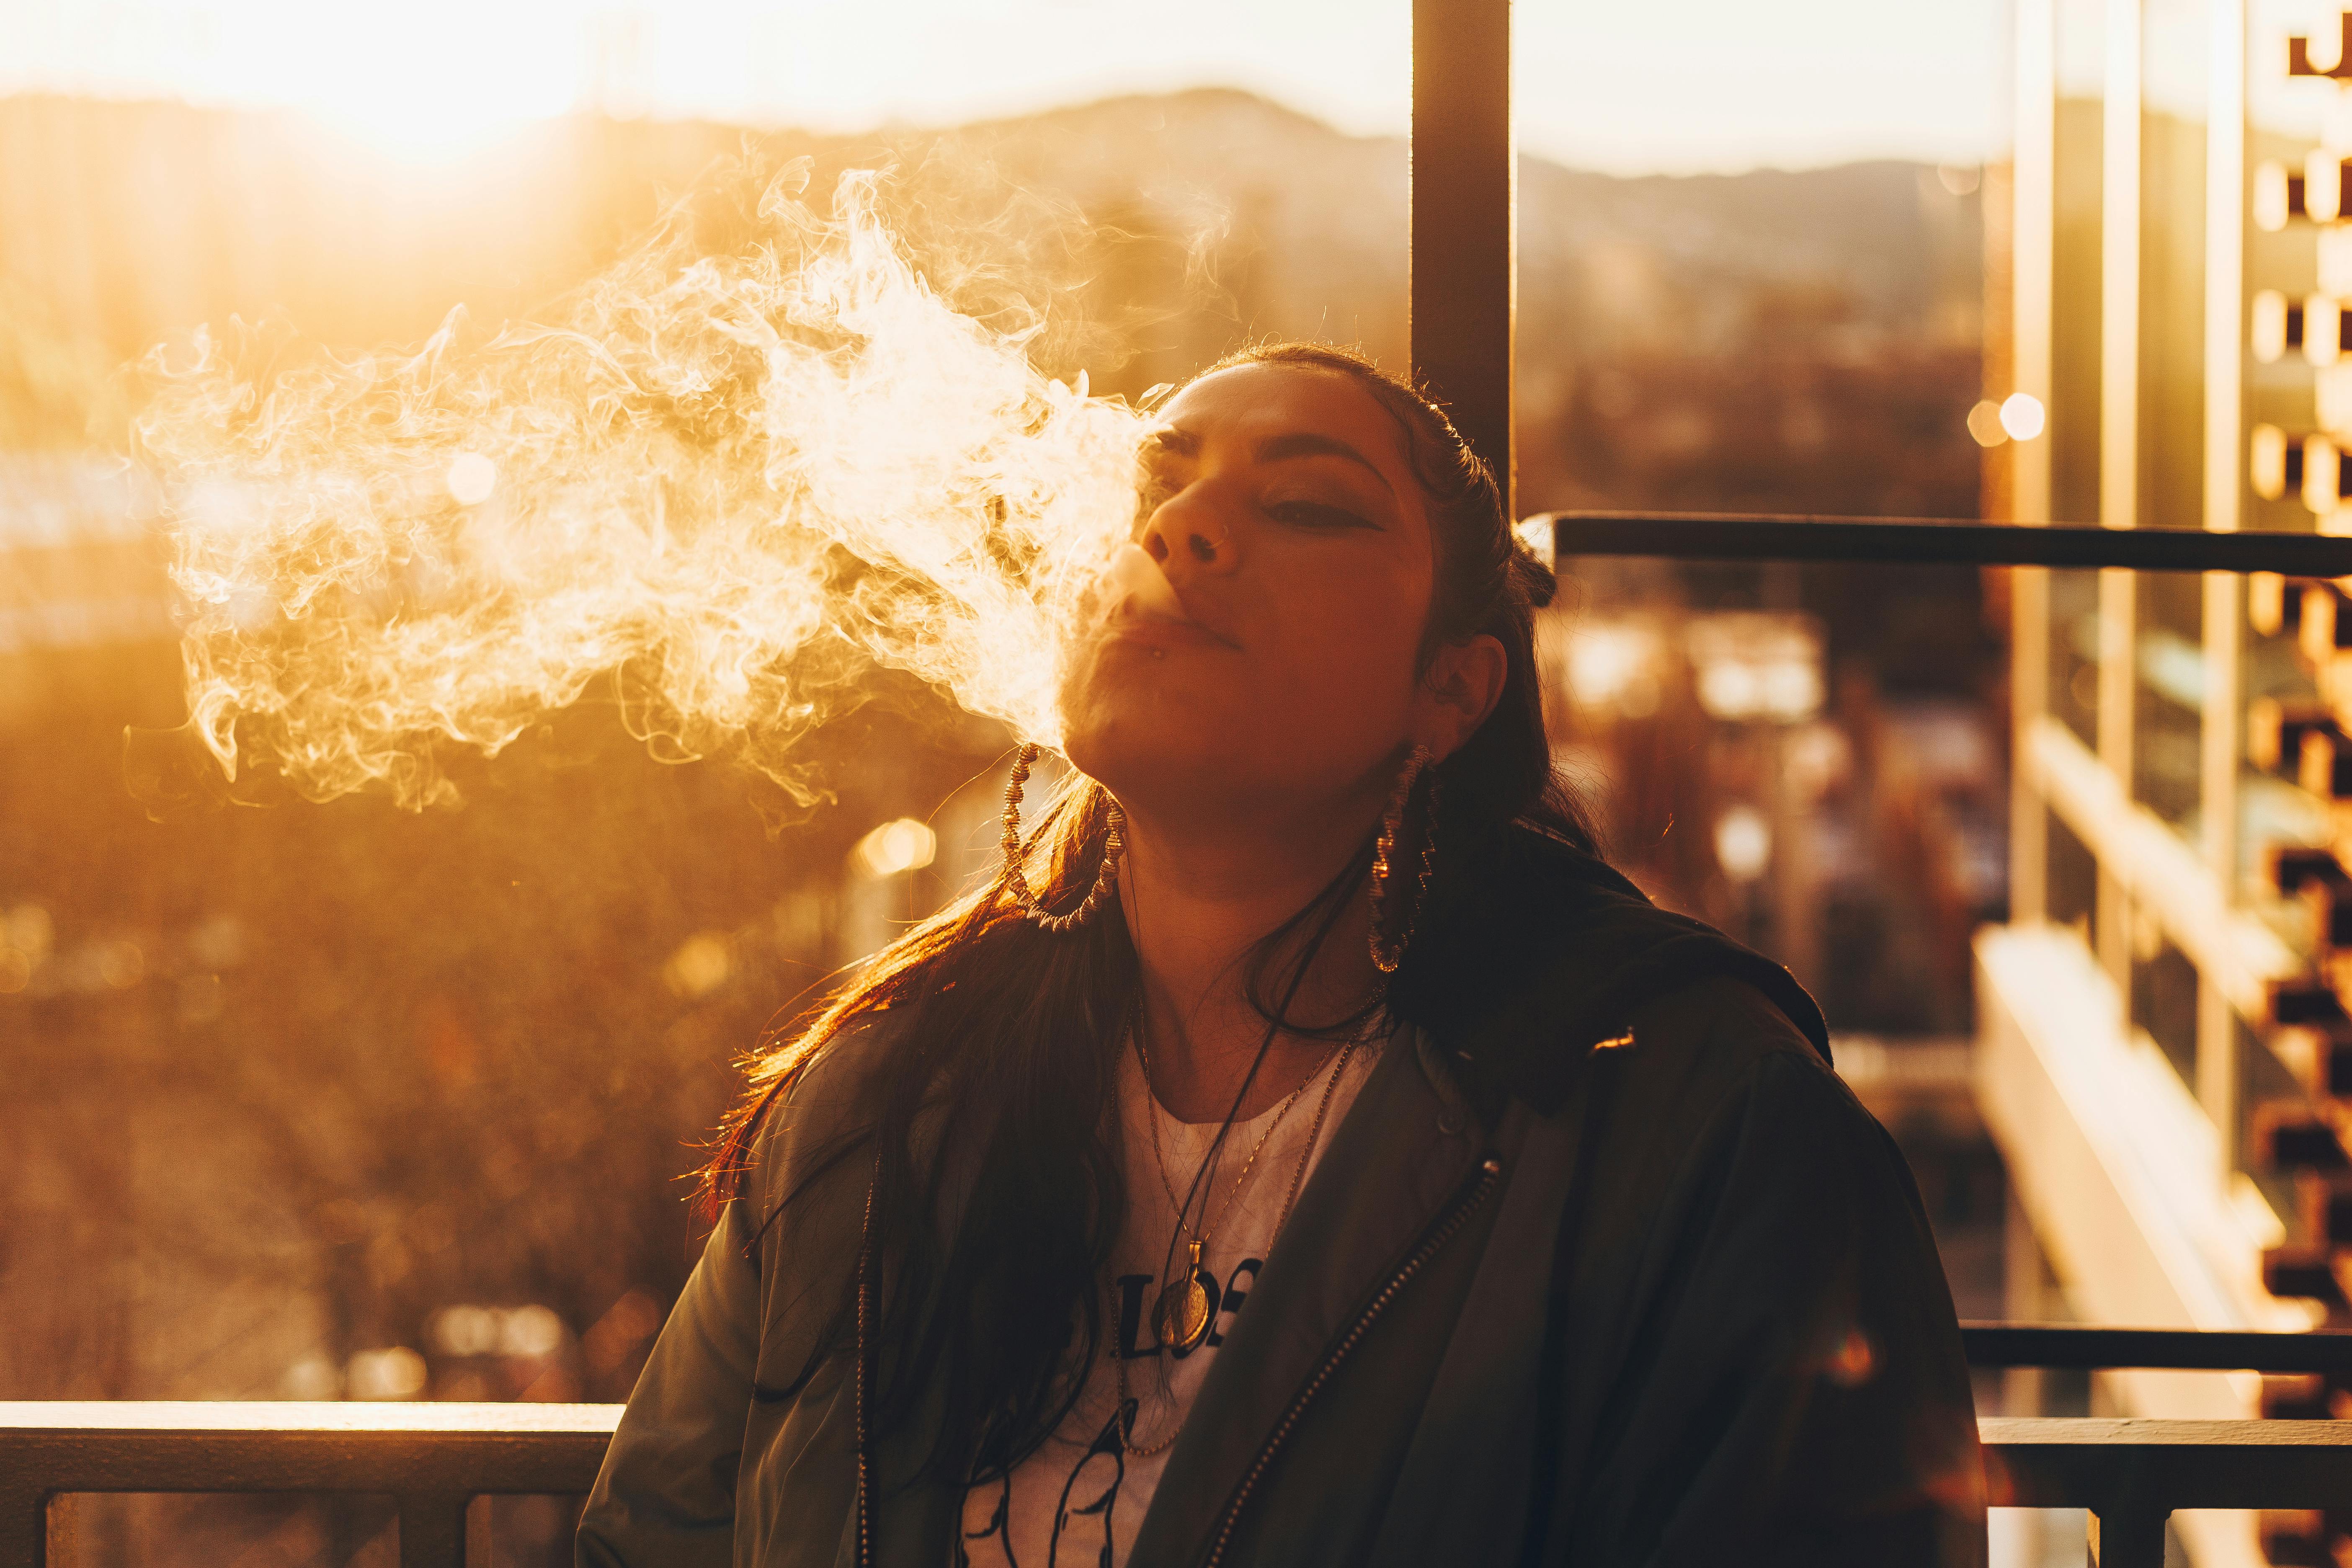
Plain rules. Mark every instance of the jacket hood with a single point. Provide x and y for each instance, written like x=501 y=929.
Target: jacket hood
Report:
x=1532 y=952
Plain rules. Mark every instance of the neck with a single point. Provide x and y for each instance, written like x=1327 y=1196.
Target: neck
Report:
x=1199 y=898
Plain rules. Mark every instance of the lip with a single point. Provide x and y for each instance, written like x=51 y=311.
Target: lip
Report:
x=1128 y=623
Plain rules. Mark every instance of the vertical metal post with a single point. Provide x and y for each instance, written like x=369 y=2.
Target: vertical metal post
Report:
x=2128 y=1538
x=481 y=1545
x=61 y=1533
x=1463 y=263
x=2033 y=239
x=2119 y=222
x=23 y=1521
x=433 y=1530
x=2219 y=741
x=2026 y=1298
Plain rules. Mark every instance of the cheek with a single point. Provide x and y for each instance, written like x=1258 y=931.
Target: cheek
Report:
x=1356 y=640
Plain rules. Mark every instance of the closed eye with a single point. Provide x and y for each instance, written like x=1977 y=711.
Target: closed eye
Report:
x=1318 y=514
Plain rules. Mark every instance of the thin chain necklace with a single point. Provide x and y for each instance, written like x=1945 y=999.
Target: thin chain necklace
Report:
x=1200 y=1238
x=1159 y=1156
x=1194 y=1300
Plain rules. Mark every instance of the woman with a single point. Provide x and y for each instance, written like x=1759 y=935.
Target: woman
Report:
x=1307 y=1152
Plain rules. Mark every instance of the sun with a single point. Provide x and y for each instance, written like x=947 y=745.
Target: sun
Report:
x=418 y=130
x=441 y=80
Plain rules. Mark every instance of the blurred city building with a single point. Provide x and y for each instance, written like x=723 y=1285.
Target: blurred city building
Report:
x=2158 y=1023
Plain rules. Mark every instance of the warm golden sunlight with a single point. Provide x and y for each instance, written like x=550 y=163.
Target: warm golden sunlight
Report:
x=1408 y=781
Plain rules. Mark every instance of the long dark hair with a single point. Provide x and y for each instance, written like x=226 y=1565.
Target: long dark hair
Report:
x=1003 y=1039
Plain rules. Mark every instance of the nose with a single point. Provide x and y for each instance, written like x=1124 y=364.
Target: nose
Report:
x=1190 y=541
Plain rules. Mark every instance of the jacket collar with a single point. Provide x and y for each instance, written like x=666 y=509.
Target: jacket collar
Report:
x=1532 y=952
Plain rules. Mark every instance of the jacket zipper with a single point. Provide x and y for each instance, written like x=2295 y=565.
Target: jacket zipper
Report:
x=1490 y=1172
x=864 y=1374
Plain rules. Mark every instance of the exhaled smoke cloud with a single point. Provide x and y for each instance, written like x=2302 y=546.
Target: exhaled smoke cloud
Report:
x=734 y=484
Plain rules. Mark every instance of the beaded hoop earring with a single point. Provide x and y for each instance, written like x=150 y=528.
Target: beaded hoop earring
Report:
x=1017 y=880
x=1386 y=954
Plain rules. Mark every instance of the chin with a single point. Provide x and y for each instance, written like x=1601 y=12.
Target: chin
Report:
x=1146 y=728
x=1156 y=756
x=1137 y=759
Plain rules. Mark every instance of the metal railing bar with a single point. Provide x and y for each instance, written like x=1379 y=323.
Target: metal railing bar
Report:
x=2084 y=1348
x=1930 y=541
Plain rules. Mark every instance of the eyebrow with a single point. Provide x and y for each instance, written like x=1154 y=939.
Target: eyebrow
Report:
x=1177 y=443
x=1306 y=443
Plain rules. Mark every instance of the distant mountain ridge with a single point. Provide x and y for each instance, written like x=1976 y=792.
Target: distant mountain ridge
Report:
x=1165 y=228
x=1602 y=258
x=77 y=174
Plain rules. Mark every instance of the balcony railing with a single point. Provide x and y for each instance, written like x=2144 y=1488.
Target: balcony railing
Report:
x=2132 y=1473
x=435 y=1459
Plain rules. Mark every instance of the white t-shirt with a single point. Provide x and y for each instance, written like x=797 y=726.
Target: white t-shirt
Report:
x=1076 y=1502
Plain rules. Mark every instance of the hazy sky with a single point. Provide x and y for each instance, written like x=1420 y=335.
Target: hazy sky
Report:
x=1625 y=85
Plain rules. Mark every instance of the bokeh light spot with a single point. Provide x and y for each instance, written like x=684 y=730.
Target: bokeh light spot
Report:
x=2021 y=416
x=394 y=1373
x=905 y=844
x=700 y=966
x=472 y=477
x=1743 y=843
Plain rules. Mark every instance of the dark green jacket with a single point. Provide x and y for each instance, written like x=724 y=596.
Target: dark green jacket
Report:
x=1607 y=1268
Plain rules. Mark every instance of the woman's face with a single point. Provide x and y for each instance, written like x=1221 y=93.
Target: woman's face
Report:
x=1280 y=504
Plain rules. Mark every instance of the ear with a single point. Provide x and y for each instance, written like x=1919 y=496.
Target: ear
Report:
x=1461 y=686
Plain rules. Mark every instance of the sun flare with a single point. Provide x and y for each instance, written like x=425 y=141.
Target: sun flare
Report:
x=434 y=87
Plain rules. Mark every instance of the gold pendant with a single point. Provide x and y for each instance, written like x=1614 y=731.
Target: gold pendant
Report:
x=1181 y=1316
